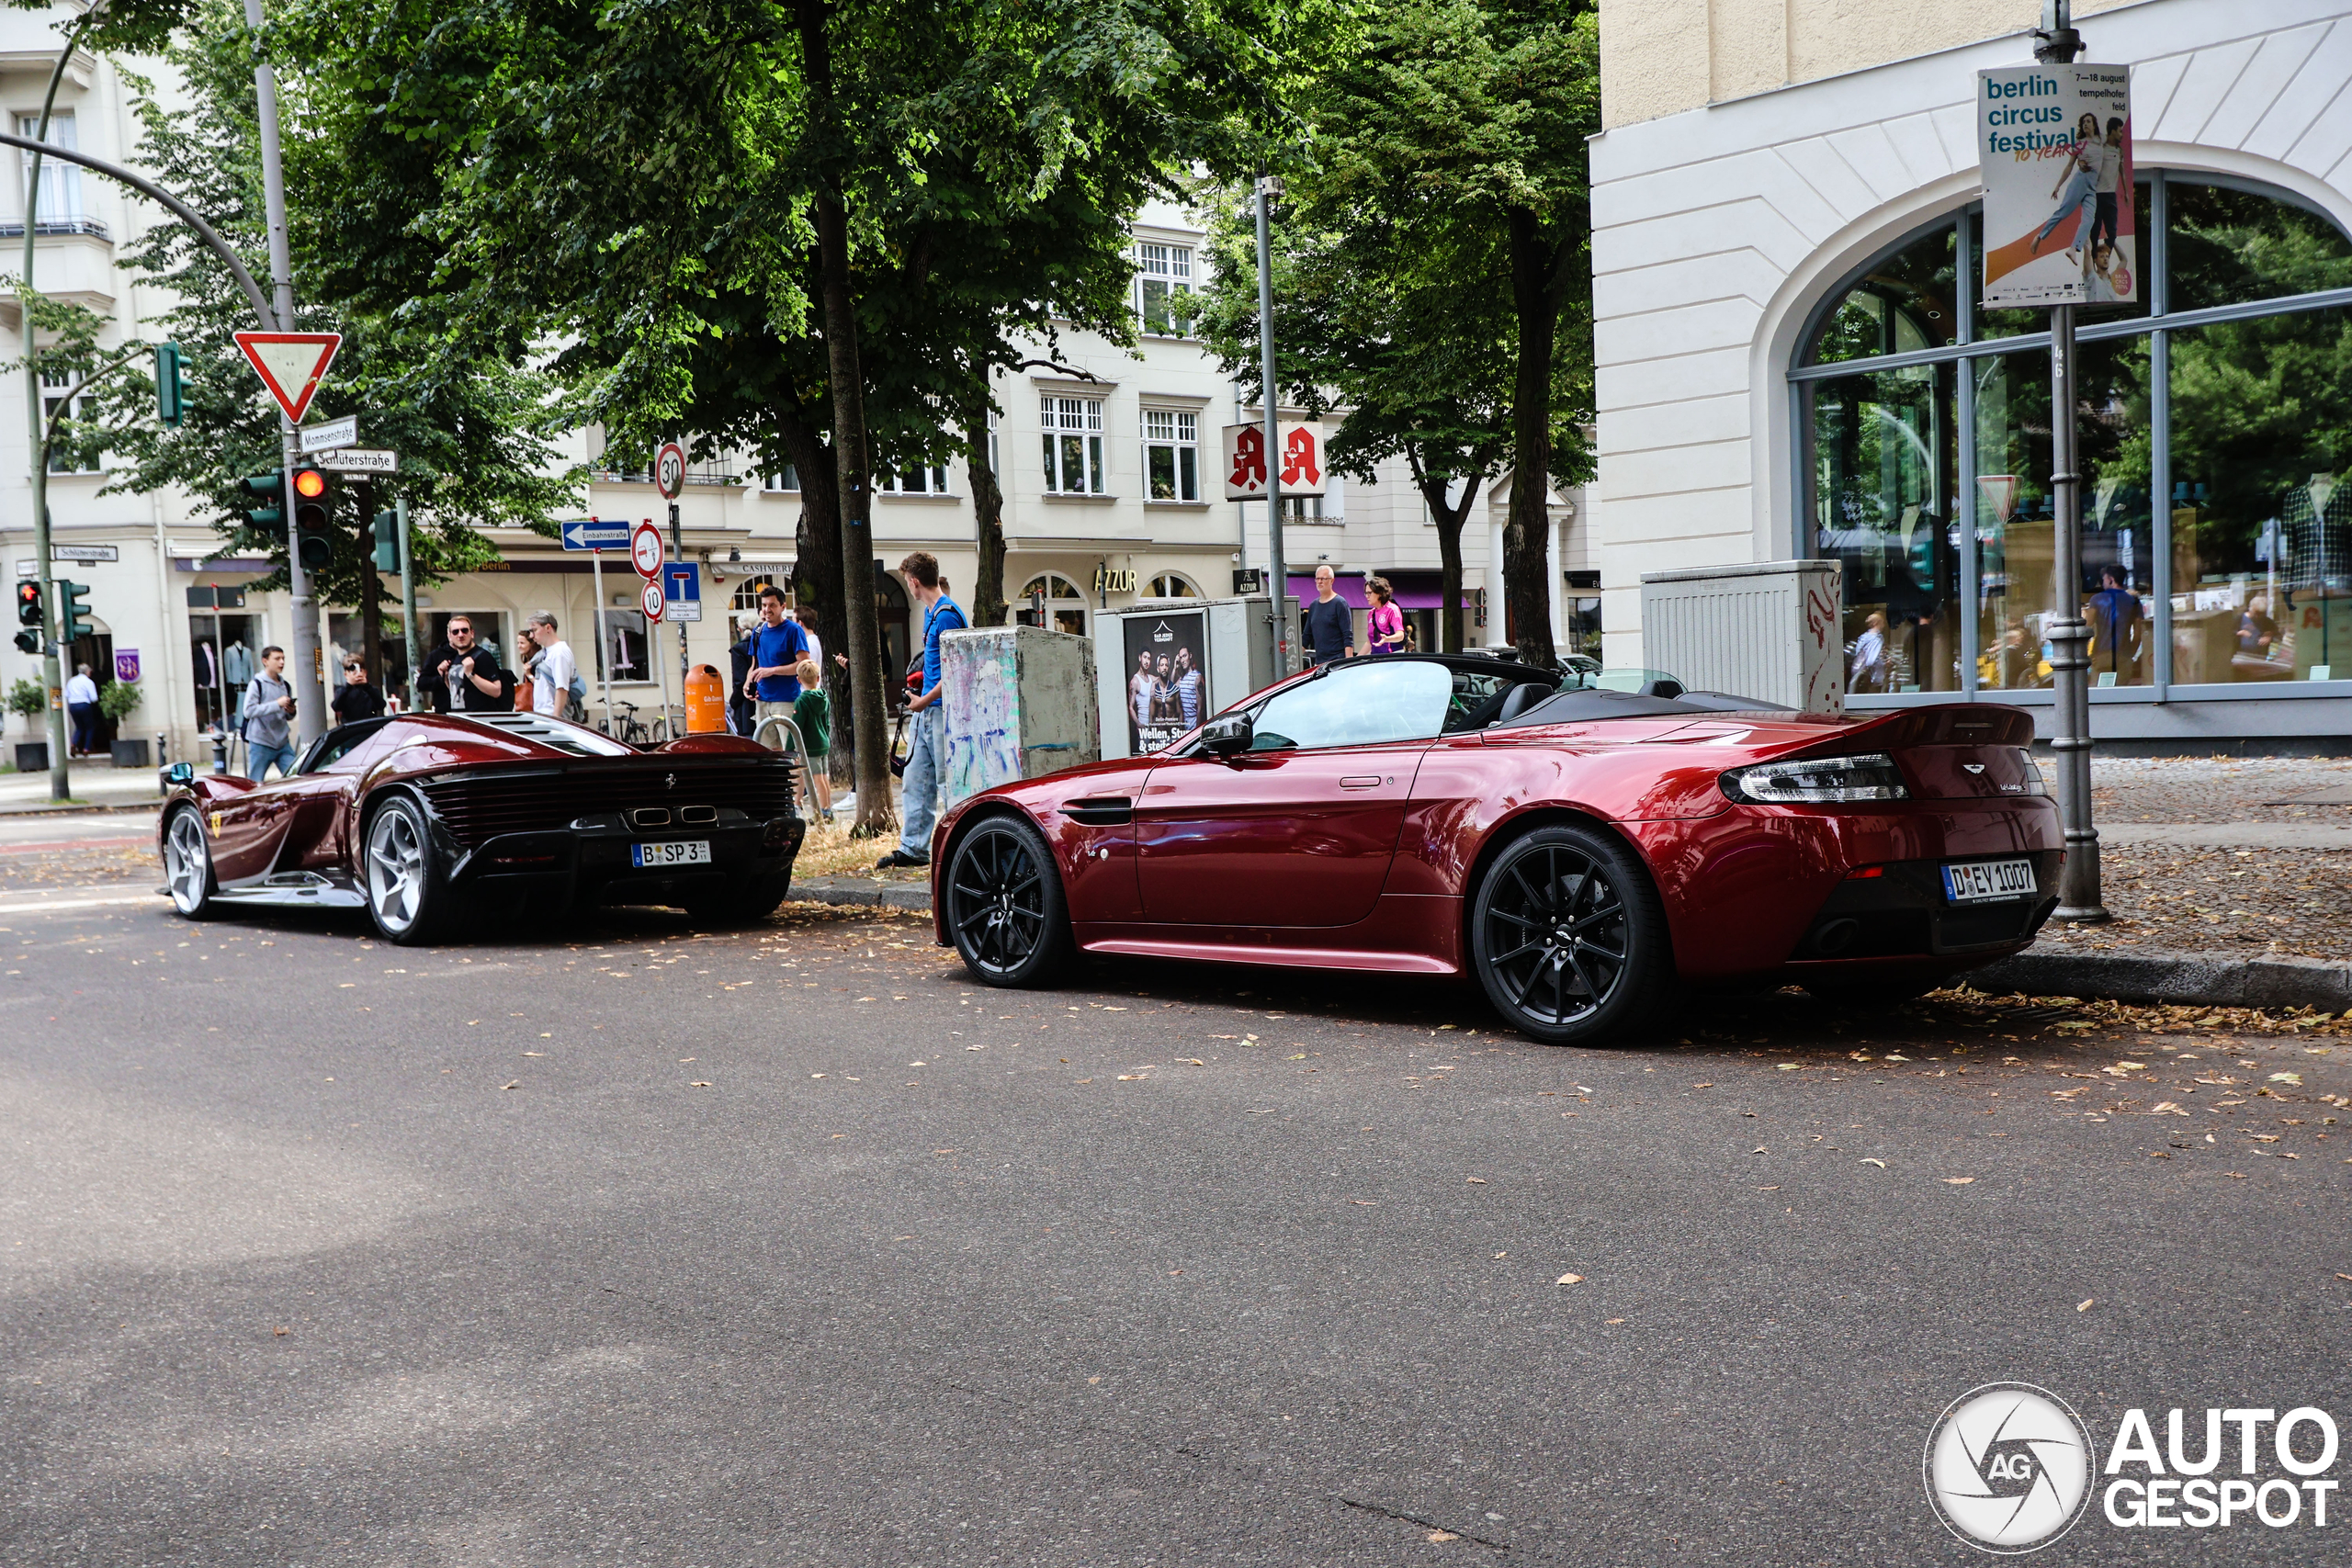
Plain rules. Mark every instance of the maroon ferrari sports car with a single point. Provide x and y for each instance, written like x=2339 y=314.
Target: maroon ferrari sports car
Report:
x=1582 y=850
x=424 y=818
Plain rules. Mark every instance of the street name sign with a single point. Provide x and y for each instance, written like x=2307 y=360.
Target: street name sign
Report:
x=645 y=551
x=590 y=533
x=648 y=599
x=361 y=460
x=333 y=436
x=681 y=587
x=291 y=365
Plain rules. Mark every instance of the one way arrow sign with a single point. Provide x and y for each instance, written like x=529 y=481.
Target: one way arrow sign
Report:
x=590 y=535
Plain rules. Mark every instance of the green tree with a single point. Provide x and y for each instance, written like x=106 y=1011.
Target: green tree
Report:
x=1432 y=275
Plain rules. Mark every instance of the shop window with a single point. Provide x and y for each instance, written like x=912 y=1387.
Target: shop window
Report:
x=2234 y=531
x=1170 y=585
x=1064 y=603
x=1171 y=450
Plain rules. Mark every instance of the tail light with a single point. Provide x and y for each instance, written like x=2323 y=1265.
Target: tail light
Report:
x=1818 y=781
x=2030 y=772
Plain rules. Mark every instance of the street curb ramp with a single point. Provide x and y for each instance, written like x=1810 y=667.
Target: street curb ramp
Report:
x=2274 y=984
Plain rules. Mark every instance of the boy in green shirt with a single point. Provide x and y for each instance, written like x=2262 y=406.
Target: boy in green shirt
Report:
x=812 y=715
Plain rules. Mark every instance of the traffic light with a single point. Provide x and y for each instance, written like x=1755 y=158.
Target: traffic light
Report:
x=387 y=533
x=269 y=489
x=313 y=533
x=170 y=395
x=73 y=611
x=28 y=615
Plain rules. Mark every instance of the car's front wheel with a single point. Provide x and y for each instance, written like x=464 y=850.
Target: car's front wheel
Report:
x=407 y=896
x=1568 y=937
x=1004 y=903
x=187 y=863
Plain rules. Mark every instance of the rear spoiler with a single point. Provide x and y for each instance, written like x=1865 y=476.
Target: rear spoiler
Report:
x=1945 y=724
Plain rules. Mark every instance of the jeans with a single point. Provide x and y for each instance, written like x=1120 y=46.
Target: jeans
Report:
x=85 y=724
x=2080 y=198
x=259 y=757
x=926 y=766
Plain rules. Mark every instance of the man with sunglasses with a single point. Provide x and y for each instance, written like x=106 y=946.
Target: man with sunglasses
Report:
x=462 y=675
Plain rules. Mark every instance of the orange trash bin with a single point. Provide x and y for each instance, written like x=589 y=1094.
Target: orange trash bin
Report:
x=706 y=701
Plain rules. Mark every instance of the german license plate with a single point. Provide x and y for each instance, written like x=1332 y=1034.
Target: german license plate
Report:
x=1989 y=881
x=694 y=851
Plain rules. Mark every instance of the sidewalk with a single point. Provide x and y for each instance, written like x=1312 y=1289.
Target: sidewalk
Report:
x=2230 y=881
x=93 y=785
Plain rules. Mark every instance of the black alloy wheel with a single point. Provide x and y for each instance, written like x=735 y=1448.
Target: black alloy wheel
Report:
x=1004 y=903
x=1568 y=936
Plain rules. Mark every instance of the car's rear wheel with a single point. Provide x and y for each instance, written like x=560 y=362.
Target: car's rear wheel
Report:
x=1005 y=911
x=407 y=896
x=1568 y=936
x=187 y=863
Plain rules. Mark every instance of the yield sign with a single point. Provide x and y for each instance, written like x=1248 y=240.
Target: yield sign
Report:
x=291 y=365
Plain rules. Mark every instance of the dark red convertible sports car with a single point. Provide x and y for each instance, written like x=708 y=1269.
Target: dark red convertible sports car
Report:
x=1582 y=850
x=422 y=819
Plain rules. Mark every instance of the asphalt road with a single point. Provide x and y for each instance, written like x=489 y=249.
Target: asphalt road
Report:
x=616 y=1243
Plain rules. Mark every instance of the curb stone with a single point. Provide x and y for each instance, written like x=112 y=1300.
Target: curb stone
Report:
x=2275 y=984
x=858 y=893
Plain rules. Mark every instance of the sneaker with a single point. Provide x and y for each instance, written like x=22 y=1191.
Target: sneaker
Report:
x=898 y=858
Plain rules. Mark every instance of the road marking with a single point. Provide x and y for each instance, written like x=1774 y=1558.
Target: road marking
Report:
x=100 y=900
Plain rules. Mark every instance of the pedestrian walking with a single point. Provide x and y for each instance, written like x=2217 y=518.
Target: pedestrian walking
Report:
x=358 y=697
x=1866 y=668
x=926 y=744
x=1385 y=631
x=269 y=706
x=1330 y=630
x=812 y=715
x=738 y=674
x=555 y=673
x=462 y=675
x=779 y=647
x=82 y=706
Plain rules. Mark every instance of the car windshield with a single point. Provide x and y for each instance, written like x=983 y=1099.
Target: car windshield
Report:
x=1357 y=704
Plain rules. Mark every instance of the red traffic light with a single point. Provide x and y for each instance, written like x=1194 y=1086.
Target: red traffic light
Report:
x=310 y=484
x=27 y=602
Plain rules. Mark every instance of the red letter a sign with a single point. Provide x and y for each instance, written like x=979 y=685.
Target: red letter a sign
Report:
x=291 y=365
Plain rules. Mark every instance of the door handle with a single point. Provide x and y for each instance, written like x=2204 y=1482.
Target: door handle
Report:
x=1361 y=781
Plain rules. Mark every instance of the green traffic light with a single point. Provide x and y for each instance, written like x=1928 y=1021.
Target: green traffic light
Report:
x=387 y=532
x=263 y=487
x=74 y=602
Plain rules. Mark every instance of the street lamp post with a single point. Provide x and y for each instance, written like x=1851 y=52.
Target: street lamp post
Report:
x=2069 y=634
x=1277 y=572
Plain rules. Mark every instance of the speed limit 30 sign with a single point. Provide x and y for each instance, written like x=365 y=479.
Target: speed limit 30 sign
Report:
x=670 y=471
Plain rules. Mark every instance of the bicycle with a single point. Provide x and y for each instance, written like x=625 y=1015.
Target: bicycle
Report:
x=624 y=728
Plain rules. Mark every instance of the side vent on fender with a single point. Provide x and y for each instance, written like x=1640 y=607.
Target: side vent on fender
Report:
x=1101 y=811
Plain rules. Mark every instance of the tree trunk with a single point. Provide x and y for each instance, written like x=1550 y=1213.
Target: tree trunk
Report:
x=816 y=568
x=1527 y=553
x=1448 y=518
x=852 y=466
x=988 y=506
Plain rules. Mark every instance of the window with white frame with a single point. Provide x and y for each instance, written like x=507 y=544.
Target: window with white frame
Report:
x=61 y=459
x=1172 y=585
x=60 y=183
x=781 y=481
x=1171 y=455
x=1302 y=509
x=920 y=479
x=1164 y=288
x=1073 y=442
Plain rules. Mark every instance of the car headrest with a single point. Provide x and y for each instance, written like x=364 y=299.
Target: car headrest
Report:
x=1520 y=698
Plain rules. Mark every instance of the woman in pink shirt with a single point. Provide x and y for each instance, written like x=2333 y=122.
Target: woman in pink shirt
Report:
x=1386 y=622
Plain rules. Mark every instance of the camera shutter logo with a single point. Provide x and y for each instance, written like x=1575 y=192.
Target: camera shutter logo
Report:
x=2008 y=1468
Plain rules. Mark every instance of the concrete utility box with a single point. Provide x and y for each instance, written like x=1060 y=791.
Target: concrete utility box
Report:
x=1206 y=654
x=1772 y=631
x=1020 y=704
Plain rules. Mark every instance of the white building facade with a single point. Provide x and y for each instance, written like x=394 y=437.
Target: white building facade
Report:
x=1792 y=361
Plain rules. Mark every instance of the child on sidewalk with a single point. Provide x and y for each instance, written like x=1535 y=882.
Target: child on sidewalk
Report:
x=812 y=715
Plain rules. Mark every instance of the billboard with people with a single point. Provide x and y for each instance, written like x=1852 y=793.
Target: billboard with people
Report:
x=1167 y=677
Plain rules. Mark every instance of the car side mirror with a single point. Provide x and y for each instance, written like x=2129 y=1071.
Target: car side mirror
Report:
x=1224 y=737
x=180 y=774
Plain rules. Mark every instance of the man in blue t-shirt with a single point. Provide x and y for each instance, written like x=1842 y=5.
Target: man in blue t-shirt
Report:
x=926 y=739
x=778 y=646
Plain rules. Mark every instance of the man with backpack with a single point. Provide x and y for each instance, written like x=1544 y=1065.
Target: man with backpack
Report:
x=557 y=689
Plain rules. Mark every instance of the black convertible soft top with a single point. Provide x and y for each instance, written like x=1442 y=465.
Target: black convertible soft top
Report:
x=1582 y=706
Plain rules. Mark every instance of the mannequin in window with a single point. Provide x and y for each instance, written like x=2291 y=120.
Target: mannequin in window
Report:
x=2315 y=522
x=237 y=663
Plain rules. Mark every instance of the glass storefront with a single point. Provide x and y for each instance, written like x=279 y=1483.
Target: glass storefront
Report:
x=1924 y=432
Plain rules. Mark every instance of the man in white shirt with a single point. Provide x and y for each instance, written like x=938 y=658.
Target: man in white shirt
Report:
x=806 y=617
x=553 y=670
x=82 y=706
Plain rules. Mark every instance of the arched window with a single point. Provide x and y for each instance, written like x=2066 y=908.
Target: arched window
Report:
x=1064 y=603
x=2214 y=420
x=1172 y=585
